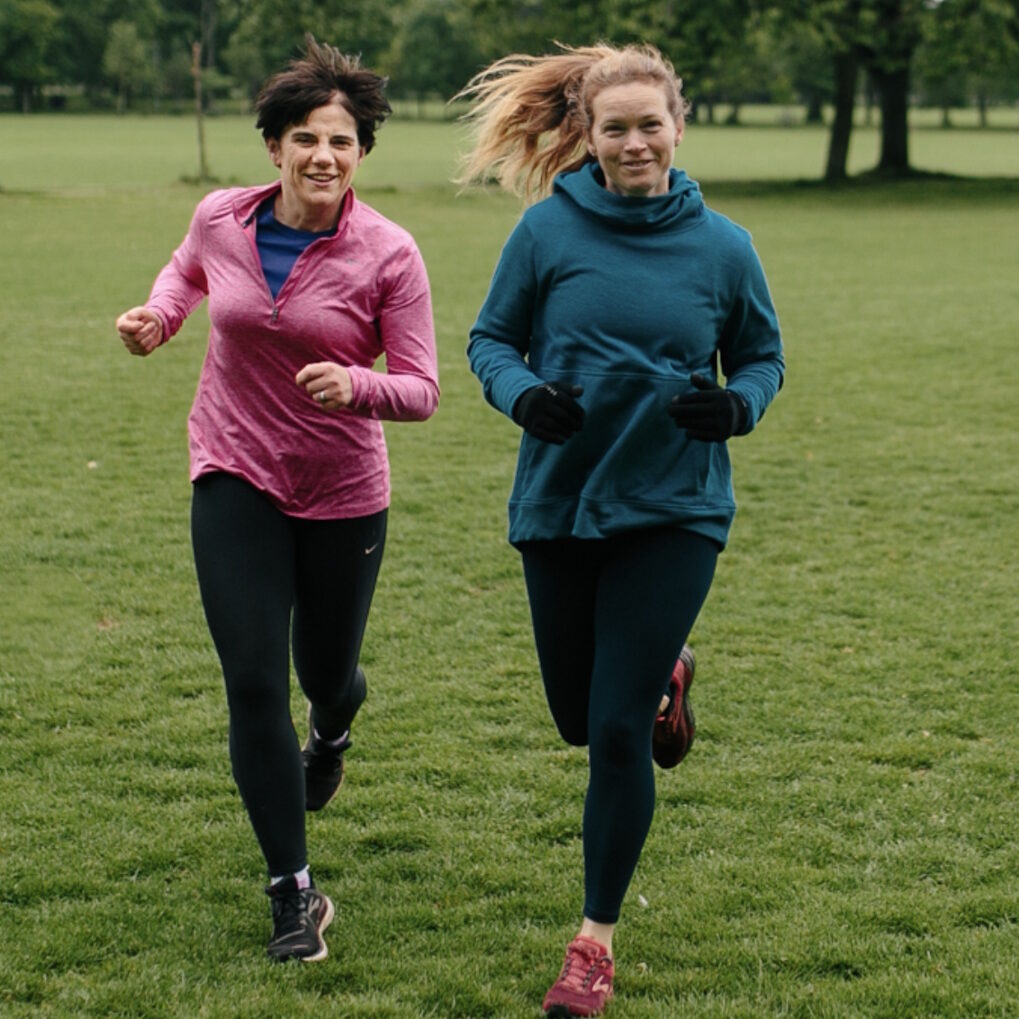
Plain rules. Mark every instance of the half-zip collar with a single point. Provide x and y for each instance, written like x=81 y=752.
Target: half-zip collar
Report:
x=247 y=206
x=246 y=213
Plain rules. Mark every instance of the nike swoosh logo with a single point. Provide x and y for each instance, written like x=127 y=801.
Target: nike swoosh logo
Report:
x=368 y=551
x=601 y=984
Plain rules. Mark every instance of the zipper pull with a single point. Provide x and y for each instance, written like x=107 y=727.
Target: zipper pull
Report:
x=275 y=314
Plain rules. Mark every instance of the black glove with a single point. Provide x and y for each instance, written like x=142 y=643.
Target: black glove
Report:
x=549 y=412
x=712 y=414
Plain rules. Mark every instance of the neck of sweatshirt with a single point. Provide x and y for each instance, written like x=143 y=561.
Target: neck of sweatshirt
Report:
x=680 y=206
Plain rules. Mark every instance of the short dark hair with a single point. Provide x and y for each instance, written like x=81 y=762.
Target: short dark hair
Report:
x=323 y=75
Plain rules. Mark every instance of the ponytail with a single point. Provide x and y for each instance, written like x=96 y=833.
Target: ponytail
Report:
x=531 y=115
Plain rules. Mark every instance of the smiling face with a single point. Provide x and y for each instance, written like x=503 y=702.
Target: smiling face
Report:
x=634 y=137
x=316 y=160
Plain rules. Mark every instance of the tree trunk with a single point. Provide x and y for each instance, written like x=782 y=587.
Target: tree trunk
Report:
x=815 y=108
x=196 y=73
x=846 y=72
x=868 y=108
x=893 y=87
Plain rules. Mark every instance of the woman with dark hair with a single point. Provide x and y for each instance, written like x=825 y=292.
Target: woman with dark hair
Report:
x=614 y=304
x=307 y=288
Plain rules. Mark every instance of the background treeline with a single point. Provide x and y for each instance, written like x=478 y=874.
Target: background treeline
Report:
x=825 y=55
x=139 y=53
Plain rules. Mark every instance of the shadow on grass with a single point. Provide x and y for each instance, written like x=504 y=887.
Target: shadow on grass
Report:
x=919 y=186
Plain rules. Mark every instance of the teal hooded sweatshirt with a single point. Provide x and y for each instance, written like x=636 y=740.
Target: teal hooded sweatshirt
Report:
x=626 y=297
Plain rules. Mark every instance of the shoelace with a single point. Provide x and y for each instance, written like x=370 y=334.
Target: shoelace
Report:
x=579 y=967
x=287 y=909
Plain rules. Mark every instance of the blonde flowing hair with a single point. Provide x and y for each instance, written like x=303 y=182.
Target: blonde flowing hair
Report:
x=531 y=115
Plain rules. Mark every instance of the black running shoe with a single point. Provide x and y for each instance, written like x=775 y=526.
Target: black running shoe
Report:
x=323 y=761
x=299 y=916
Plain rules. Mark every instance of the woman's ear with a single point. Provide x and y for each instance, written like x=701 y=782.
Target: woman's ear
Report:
x=273 y=148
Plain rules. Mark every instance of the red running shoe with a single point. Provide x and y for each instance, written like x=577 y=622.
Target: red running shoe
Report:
x=585 y=983
x=672 y=735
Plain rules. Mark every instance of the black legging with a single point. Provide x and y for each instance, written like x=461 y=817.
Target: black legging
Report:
x=258 y=569
x=610 y=617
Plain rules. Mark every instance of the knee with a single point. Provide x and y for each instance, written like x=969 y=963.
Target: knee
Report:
x=619 y=743
x=253 y=692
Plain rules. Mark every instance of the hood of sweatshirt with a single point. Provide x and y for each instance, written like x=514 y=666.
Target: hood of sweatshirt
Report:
x=680 y=207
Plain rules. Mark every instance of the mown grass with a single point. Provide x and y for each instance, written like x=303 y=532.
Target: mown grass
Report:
x=841 y=842
x=85 y=152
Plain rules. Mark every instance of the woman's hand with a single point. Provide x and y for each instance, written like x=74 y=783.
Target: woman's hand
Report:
x=709 y=413
x=550 y=412
x=141 y=331
x=327 y=383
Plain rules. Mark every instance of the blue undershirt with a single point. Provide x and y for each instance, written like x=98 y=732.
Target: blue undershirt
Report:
x=280 y=246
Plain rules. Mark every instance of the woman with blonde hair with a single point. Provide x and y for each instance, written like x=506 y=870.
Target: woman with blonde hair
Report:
x=617 y=299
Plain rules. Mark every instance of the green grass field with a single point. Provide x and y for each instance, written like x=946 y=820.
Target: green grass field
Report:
x=841 y=842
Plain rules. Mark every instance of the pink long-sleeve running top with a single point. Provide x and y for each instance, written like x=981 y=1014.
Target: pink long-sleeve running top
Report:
x=351 y=298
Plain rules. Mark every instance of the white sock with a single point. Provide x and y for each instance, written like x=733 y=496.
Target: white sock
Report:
x=302 y=877
x=331 y=742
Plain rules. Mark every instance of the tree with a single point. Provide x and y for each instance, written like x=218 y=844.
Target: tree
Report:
x=804 y=62
x=196 y=73
x=941 y=65
x=28 y=32
x=84 y=34
x=275 y=29
x=125 y=61
x=880 y=36
x=843 y=35
x=434 y=52
x=891 y=31
x=970 y=49
x=535 y=26
x=759 y=74
x=829 y=31
x=705 y=42
x=245 y=59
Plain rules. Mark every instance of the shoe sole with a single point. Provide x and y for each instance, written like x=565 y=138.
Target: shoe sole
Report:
x=327 y=919
x=321 y=806
x=564 y=1012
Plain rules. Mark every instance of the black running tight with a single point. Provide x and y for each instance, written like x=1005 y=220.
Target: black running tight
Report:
x=270 y=582
x=610 y=617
